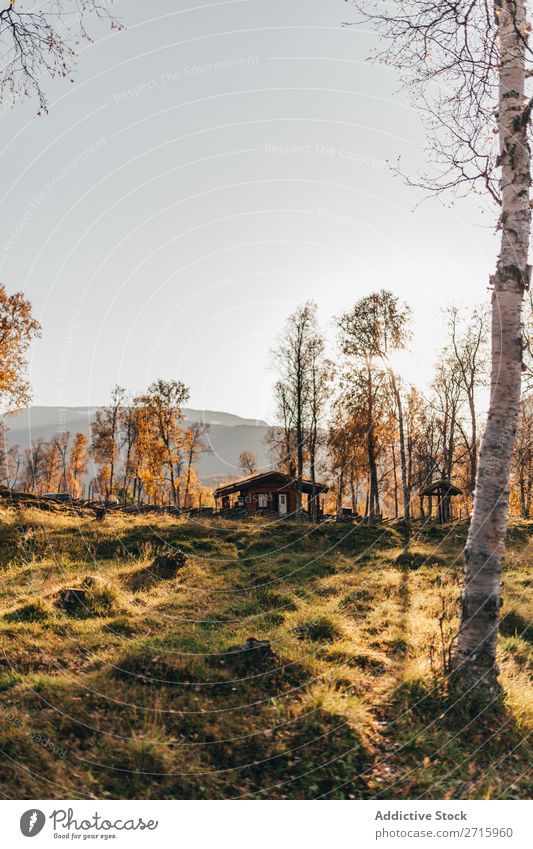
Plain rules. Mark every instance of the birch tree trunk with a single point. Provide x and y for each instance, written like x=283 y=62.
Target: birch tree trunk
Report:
x=395 y=479
x=373 y=505
x=403 y=455
x=475 y=660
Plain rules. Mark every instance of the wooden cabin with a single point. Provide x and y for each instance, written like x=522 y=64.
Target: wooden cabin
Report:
x=270 y=492
x=443 y=491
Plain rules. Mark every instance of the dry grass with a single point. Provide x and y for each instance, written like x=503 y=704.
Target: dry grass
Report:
x=140 y=694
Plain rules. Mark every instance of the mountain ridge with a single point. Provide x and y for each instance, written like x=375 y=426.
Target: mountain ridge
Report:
x=229 y=434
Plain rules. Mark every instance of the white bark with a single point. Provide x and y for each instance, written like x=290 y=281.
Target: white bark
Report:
x=476 y=651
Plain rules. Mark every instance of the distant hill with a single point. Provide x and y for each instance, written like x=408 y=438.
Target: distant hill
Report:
x=228 y=435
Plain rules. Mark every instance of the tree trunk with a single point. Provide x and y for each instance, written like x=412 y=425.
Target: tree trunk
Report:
x=172 y=484
x=395 y=478
x=341 y=492
x=374 y=486
x=373 y=495
x=475 y=660
x=353 y=492
x=522 y=491
x=473 y=443
x=188 y=480
x=403 y=454
x=314 y=511
x=299 y=473
x=528 y=496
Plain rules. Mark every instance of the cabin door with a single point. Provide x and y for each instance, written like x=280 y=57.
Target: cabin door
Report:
x=283 y=506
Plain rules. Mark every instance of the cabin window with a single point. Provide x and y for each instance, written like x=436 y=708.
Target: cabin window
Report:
x=262 y=501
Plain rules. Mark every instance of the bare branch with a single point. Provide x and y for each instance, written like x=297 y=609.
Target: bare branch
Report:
x=41 y=42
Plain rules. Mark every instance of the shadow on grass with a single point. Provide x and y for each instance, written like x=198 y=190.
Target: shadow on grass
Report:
x=514 y=625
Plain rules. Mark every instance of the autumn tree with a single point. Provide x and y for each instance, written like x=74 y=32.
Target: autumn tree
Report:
x=51 y=466
x=369 y=332
x=300 y=395
x=10 y=459
x=292 y=360
x=446 y=402
x=18 y=328
x=345 y=457
x=398 y=409
x=522 y=463
x=105 y=431
x=130 y=417
x=248 y=462
x=320 y=378
x=195 y=443
x=62 y=441
x=466 y=64
x=281 y=438
x=163 y=403
x=421 y=442
x=78 y=464
x=468 y=352
x=34 y=465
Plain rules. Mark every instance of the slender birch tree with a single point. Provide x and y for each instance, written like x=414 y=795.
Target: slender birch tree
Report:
x=467 y=62
x=105 y=432
x=292 y=360
x=468 y=352
x=195 y=443
x=522 y=465
x=376 y=326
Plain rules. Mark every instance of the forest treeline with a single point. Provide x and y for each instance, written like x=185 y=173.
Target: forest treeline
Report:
x=139 y=450
x=375 y=438
x=349 y=420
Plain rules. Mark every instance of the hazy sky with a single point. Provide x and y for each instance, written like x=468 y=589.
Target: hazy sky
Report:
x=212 y=166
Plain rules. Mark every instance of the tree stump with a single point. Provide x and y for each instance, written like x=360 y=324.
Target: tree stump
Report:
x=166 y=566
x=72 y=598
x=252 y=654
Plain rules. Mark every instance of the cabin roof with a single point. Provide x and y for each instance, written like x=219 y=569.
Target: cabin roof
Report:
x=270 y=481
x=442 y=487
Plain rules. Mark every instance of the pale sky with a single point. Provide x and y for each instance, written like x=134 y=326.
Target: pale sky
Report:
x=213 y=166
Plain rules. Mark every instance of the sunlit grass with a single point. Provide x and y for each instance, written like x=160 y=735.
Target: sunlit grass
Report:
x=140 y=692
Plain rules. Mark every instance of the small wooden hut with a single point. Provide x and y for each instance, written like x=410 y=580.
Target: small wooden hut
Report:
x=270 y=492
x=443 y=491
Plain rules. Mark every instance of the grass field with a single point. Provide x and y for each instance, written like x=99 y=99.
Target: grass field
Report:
x=139 y=694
